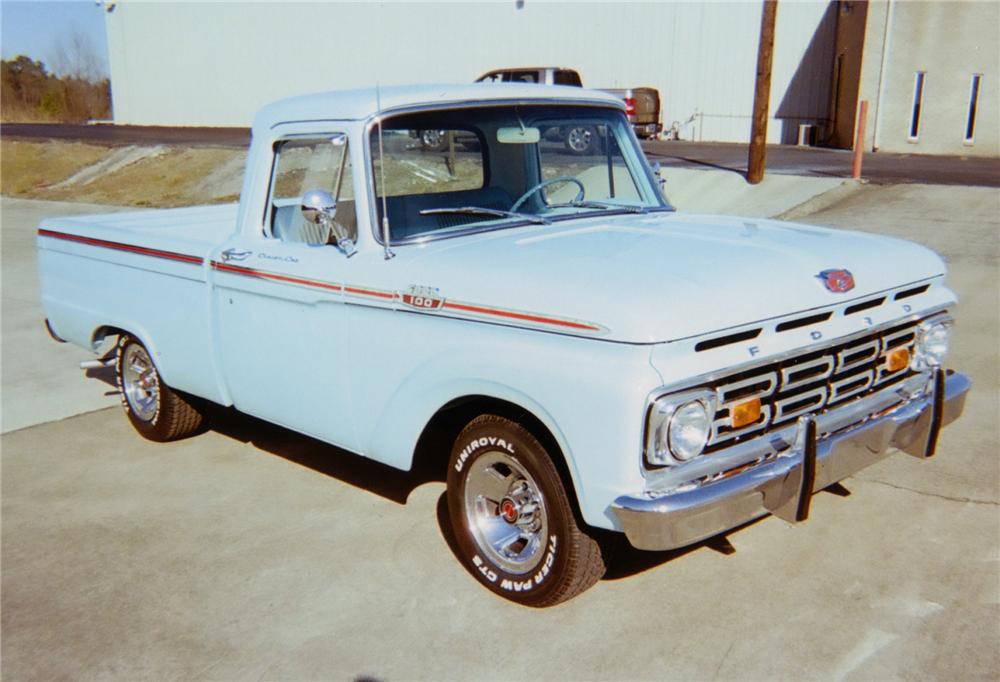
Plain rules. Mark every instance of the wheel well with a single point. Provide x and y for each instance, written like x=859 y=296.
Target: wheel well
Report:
x=430 y=457
x=102 y=333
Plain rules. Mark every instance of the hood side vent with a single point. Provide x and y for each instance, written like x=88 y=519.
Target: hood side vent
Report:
x=858 y=307
x=802 y=322
x=912 y=292
x=709 y=344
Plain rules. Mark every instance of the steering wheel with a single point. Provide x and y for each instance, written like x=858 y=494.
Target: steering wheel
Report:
x=545 y=183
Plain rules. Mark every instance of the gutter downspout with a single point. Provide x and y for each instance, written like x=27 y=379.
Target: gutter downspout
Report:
x=886 y=36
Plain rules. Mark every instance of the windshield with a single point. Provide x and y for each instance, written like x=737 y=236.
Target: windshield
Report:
x=442 y=173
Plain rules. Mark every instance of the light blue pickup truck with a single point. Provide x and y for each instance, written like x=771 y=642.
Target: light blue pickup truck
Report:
x=599 y=361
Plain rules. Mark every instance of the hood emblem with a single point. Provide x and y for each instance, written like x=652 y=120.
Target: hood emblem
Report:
x=837 y=281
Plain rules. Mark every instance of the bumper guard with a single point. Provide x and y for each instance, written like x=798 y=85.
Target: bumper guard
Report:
x=784 y=484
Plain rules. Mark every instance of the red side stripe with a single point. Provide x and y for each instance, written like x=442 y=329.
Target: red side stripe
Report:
x=118 y=246
x=520 y=316
x=250 y=272
x=359 y=291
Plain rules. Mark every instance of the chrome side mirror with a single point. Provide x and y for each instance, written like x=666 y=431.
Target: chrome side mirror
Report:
x=319 y=208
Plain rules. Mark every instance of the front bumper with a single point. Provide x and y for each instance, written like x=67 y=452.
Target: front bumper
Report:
x=814 y=454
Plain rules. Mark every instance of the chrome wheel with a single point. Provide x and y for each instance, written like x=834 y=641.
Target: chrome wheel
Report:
x=140 y=382
x=579 y=139
x=506 y=512
x=434 y=140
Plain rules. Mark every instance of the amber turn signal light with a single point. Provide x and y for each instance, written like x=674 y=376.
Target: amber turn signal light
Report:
x=897 y=359
x=746 y=413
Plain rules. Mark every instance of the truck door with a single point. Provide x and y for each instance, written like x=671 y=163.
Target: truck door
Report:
x=281 y=323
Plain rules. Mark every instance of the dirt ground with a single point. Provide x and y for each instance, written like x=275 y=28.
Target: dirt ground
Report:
x=157 y=176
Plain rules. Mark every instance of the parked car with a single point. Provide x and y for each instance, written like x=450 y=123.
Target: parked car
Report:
x=642 y=107
x=538 y=75
x=599 y=362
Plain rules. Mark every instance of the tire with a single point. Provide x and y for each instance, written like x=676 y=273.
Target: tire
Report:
x=514 y=525
x=434 y=140
x=581 y=140
x=155 y=410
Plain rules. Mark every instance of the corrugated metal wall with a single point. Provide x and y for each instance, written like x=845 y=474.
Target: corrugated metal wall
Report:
x=215 y=64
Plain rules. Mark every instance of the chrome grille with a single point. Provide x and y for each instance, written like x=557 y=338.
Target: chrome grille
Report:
x=809 y=383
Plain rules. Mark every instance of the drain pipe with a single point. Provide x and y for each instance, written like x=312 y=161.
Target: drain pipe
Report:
x=886 y=38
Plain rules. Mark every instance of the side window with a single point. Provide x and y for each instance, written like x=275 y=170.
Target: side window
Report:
x=524 y=76
x=302 y=165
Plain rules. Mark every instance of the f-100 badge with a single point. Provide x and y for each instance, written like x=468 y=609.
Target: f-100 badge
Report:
x=423 y=298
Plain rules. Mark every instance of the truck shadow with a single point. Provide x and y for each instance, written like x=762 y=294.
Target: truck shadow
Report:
x=623 y=560
x=329 y=460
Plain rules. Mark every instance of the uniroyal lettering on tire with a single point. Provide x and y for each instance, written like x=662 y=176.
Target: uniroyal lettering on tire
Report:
x=515 y=528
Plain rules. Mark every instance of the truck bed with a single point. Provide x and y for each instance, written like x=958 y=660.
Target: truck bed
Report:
x=145 y=272
x=192 y=231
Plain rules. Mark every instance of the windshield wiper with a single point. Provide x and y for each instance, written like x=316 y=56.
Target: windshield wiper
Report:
x=604 y=205
x=477 y=210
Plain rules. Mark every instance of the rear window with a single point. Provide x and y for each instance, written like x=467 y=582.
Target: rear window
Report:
x=568 y=77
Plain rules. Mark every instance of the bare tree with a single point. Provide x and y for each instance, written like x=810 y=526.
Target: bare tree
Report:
x=76 y=57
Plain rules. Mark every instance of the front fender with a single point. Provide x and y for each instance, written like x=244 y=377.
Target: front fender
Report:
x=589 y=394
x=416 y=403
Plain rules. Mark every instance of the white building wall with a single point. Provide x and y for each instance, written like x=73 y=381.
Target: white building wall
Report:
x=217 y=63
x=949 y=42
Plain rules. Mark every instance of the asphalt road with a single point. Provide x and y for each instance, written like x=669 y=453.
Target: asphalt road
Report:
x=125 y=135
x=880 y=168
x=251 y=552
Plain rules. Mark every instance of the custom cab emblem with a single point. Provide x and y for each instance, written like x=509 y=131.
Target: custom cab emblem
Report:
x=233 y=254
x=423 y=298
x=837 y=281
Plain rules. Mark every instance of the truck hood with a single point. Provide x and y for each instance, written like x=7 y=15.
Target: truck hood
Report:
x=664 y=276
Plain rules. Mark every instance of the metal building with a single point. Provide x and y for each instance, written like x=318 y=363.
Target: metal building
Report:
x=217 y=63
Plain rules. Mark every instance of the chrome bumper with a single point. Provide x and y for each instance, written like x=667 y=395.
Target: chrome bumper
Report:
x=783 y=484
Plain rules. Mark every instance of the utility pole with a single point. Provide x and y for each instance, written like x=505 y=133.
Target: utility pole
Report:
x=762 y=94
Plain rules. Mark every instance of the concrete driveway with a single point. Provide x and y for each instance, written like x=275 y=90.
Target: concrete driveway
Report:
x=250 y=552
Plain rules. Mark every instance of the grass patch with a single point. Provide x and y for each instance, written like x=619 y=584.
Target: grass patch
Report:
x=173 y=176
x=28 y=168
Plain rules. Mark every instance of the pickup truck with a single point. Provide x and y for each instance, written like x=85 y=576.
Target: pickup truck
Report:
x=642 y=105
x=600 y=363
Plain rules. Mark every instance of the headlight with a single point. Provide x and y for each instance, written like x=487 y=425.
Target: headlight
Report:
x=932 y=343
x=679 y=427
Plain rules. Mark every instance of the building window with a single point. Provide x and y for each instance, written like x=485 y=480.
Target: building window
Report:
x=970 y=123
x=918 y=100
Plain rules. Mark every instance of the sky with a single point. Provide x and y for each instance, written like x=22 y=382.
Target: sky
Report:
x=37 y=29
